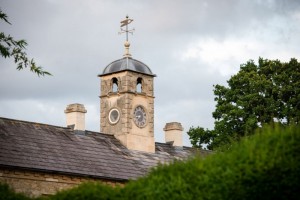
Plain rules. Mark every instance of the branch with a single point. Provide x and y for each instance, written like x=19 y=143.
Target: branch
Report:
x=15 y=48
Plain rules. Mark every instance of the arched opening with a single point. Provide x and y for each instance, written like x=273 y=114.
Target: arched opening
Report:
x=139 y=85
x=115 y=85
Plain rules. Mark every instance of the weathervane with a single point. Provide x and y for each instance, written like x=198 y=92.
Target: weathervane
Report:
x=125 y=22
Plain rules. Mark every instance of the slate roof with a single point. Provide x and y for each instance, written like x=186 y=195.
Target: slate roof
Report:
x=125 y=64
x=42 y=147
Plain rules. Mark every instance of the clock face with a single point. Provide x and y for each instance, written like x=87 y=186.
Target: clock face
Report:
x=140 y=117
x=114 y=116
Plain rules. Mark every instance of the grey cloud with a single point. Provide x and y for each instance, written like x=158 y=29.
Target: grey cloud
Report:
x=75 y=40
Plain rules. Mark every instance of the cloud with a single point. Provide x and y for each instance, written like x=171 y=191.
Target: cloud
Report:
x=221 y=56
x=190 y=45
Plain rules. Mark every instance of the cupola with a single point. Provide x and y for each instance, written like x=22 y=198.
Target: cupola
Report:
x=127 y=100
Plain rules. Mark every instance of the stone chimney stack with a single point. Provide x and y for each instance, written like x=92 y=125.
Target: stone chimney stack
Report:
x=173 y=133
x=75 y=114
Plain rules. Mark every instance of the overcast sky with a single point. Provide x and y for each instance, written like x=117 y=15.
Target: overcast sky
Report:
x=189 y=45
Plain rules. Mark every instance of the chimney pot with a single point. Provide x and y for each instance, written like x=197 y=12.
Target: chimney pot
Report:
x=75 y=114
x=173 y=133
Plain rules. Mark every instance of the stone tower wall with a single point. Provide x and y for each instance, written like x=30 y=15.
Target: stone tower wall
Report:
x=125 y=100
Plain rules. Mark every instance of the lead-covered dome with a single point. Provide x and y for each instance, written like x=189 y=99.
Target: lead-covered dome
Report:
x=127 y=63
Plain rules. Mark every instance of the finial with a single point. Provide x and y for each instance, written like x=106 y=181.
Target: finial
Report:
x=125 y=22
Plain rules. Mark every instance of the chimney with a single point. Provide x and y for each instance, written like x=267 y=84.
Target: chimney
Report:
x=173 y=133
x=75 y=114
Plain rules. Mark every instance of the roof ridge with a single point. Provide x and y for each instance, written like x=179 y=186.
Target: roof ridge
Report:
x=31 y=122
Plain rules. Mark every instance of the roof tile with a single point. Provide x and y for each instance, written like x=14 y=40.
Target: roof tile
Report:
x=57 y=149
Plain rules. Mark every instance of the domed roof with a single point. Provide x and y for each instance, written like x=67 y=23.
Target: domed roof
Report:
x=127 y=63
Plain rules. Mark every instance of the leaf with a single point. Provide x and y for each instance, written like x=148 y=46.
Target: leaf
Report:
x=15 y=48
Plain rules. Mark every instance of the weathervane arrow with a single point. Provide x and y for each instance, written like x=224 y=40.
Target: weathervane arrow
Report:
x=125 y=22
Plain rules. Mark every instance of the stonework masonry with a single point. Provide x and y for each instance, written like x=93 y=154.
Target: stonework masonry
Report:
x=34 y=184
x=75 y=115
x=173 y=133
x=125 y=99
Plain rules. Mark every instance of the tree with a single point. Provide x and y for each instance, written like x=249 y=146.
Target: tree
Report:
x=268 y=92
x=15 y=48
x=200 y=137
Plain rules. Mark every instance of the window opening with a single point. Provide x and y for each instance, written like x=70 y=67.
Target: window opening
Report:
x=115 y=85
x=139 y=85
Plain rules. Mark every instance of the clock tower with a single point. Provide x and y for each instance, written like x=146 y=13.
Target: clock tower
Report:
x=127 y=100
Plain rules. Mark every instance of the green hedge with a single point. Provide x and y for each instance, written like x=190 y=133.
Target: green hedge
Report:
x=264 y=166
x=93 y=191
x=8 y=194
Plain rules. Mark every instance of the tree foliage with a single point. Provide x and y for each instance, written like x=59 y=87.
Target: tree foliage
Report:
x=264 y=166
x=9 y=47
x=6 y=193
x=263 y=93
x=200 y=137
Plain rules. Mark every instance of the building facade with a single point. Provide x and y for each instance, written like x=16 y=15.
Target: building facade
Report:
x=40 y=159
